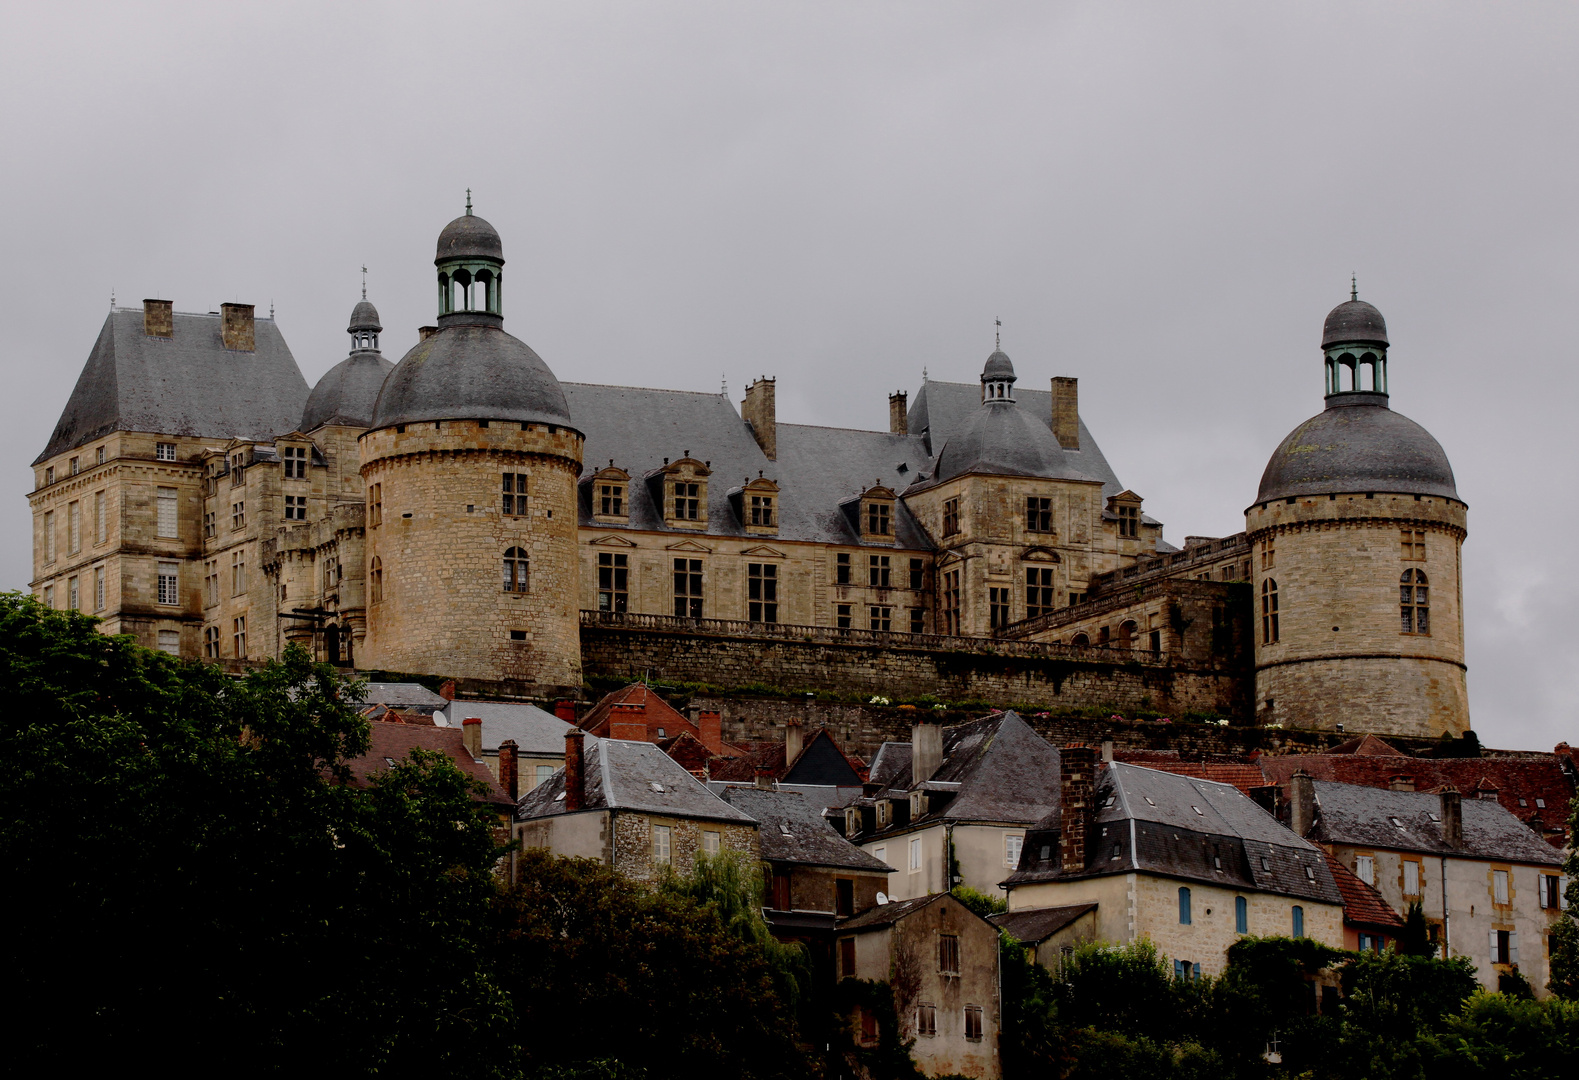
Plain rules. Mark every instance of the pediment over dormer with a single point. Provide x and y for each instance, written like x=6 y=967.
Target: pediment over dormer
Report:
x=1041 y=554
x=1125 y=496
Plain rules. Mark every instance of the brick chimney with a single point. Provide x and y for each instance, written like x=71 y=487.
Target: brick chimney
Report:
x=509 y=775
x=898 y=414
x=471 y=736
x=1452 y=817
x=1066 y=412
x=628 y=721
x=794 y=740
x=447 y=689
x=926 y=750
x=759 y=410
x=710 y=729
x=1079 y=766
x=575 y=770
x=236 y=327
x=159 y=318
x=566 y=711
x=1302 y=802
x=1400 y=782
x=764 y=777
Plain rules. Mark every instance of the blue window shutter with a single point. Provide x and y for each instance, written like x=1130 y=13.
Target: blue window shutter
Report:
x=1178 y=969
x=1197 y=971
x=1299 y=921
x=1241 y=915
x=1184 y=905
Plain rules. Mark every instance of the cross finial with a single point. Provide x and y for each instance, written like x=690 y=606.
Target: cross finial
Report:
x=112 y=297
x=997 y=336
x=923 y=373
x=364 y=283
x=1354 y=286
x=468 y=202
x=723 y=383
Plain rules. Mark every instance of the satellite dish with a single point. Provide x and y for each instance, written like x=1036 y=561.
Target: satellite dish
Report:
x=882 y=898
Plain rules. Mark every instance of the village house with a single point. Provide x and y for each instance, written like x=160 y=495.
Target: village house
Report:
x=539 y=736
x=389 y=744
x=951 y=807
x=941 y=961
x=1191 y=864
x=1369 y=924
x=1050 y=933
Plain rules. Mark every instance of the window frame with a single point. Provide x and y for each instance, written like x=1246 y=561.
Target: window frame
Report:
x=948 y=954
x=689 y=587
x=517 y=571
x=951 y=517
x=1186 y=913
x=1269 y=611
x=613 y=581
x=1038 y=514
x=662 y=845
x=762 y=592
x=513 y=494
x=169 y=595
x=1041 y=591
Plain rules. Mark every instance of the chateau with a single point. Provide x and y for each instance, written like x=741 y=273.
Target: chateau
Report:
x=465 y=513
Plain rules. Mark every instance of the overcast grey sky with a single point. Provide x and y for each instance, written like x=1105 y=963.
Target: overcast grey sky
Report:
x=1161 y=199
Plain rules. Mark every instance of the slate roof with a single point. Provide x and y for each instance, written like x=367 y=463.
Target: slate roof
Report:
x=821 y=762
x=534 y=731
x=1358 y=444
x=621 y=775
x=403 y=695
x=185 y=384
x=1032 y=926
x=1243 y=775
x=1000 y=439
x=1522 y=782
x=1004 y=770
x=887 y=914
x=791 y=829
x=347 y=392
x=1363 y=906
x=393 y=742
x=1411 y=821
x=1181 y=827
x=471 y=370
x=1354 y=322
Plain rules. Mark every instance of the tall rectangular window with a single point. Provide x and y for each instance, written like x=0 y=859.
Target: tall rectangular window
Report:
x=611 y=500
x=1551 y=892
x=762 y=592
x=918 y=571
x=951 y=517
x=166 y=501
x=762 y=510
x=1411 y=878
x=918 y=620
x=49 y=596
x=687 y=501
x=882 y=618
x=73 y=596
x=709 y=842
x=948 y=954
x=1499 y=886
x=951 y=603
x=1038 y=591
x=877 y=519
x=1184 y=906
x=877 y=571
x=238 y=515
x=211 y=642
x=1269 y=612
x=74 y=527
x=688 y=588
x=1268 y=555
x=1038 y=514
x=915 y=853
x=1413 y=544
x=842 y=616
x=99 y=456
x=1414 y=603
x=998 y=607
x=660 y=844
x=514 y=494
x=1241 y=915
x=375 y=505
x=846 y=957
x=170 y=642
x=973 y=1023
x=238 y=636
x=98 y=588
x=613 y=581
x=1298 y=921
x=1365 y=868
x=238 y=573
x=164 y=451
x=49 y=536
x=101 y=524
x=169 y=583
x=295 y=462
x=1012 y=843
x=841 y=568
x=1129 y=521
x=1504 y=947
x=208 y=524
x=926 y=1019
x=238 y=469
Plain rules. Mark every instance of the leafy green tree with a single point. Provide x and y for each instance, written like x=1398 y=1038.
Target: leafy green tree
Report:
x=979 y=902
x=1564 y=965
x=1392 y=1005
x=1499 y=1037
x=1415 y=938
x=1031 y=1043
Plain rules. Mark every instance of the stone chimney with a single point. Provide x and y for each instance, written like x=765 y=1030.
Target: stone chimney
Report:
x=1107 y=748
x=159 y=318
x=898 y=413
x=566 y=711
x=710 y=729
x=447 y=689
x=471 y=736
x=1452 y=817
x=764 y=777
x=1266 y=798
x=759 y=411
x=1066 y=412
x=509 y=774
x=575 y=770
x=1078 y=769
x=926 y=750
x=236 y=327
x=1302 y=802
x=425 y=332
x=794 y=740
x=1400 y=782
x=628 y=721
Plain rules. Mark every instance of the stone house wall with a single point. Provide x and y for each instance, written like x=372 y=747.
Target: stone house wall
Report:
x=633 y=842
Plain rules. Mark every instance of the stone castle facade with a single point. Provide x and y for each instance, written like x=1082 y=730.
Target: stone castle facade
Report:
x=465 y=513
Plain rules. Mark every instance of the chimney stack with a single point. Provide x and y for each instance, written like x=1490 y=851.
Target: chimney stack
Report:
x=1400 y=782
x=710 y=729
x=509 y=774
x=159 y=318
x=794 y=740
x=1452 y=817
x=759 y=411
x=926 y=750
x=1078 y=781
x=425 y=332
x=628 y=721
x=471 y=736
x=1107 y=748
x=575 y=770
x=898 y=413
x=764 y=777
x=566 y=711
x=236 y=327
x=447 y=689
x=1066 y=412
x=1302 y=802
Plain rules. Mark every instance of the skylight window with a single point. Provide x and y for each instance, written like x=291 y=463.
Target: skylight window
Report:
x=1310 y=873
x=1540 y=804
x=1433 y=817
x=1266 y=862
x=560 y=797
x=390 y=762
x=657 y=786
x=1148 y=800
x=1396 y=823
x=1198 y=810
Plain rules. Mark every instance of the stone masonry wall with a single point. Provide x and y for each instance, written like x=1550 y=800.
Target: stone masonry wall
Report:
x=633 y=847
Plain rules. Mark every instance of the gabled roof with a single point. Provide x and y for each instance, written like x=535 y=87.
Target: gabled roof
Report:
x=791 y=829
x=185 y=384
x=1363 y=906
x=1004 y=771
x=888 y=914
x=821 y=762
x=391 y=743
x=1368 y=746
x=1241 y=774
x=621 y=775
x=534 y=731
x=1181 y=827
x=656 y=712
x=1032 y=926
x=1359 y=816
x=403 y=695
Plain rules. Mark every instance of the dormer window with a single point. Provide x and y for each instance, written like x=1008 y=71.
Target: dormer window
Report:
x=683 y=490
x=295 y=462
x=756 y=505
x=611 y=500
x=238 y=468
x=877 y=515
x=1125 y=506
x=611 y=495
x=762 y=510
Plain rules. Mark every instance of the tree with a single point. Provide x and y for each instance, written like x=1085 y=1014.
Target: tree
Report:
x=1415 y=938
x=1564 y=966
x=1507 y=1038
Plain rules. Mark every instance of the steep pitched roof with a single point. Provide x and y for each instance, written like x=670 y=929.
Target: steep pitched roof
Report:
x=791 y=829
x=622 y=775
x=534 y=731
x=821 y=762
x=1360 y=816
x=1000 y=768
x=389 y=744
x=1032 y=926
x=185 y=384
x=1363 y=906
x=403 y=695
x=888 y=914
x=1182 y=827
x=657 y=712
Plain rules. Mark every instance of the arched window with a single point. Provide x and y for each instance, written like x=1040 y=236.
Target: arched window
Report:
x=1269 y=612
x=1126 y=634
x=1184 y=906
x=1299 y=921
x=515 y=570
x=1080 y=639
x=1414 y=612
x=1241 y=915
x=375 y=580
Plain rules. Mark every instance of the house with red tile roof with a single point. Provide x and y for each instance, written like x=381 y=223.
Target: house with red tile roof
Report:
x=1369 y=924
x=389 y=744
x=639 y=713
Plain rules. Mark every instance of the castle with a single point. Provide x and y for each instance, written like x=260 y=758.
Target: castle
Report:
x=466 y=513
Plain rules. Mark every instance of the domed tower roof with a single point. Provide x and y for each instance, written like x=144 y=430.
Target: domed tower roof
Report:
x=1001 y=439
x=364 y=317
x=348 y=391
x=469 y=237
x=1358 y=444
x=999 y=366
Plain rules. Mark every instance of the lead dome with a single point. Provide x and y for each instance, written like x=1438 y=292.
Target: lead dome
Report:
x=1354 y=322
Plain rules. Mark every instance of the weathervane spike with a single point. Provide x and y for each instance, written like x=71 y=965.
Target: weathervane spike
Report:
x=997 y=336
x=364 y=282
x=1354 y=286
x=468 y=202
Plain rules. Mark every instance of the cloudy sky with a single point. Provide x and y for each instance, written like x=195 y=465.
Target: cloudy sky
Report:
x=1161 y=199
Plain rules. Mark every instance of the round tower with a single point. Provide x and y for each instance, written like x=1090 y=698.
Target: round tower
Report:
x=470 y=466
x=1356 y=534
